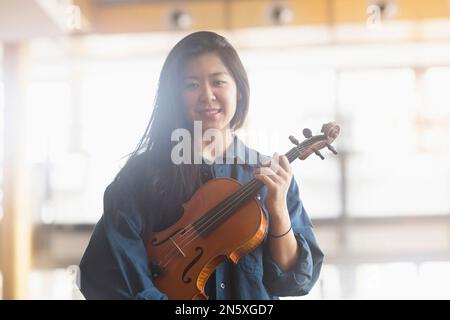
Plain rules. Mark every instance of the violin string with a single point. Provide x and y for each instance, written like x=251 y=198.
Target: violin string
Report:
x=209 y=220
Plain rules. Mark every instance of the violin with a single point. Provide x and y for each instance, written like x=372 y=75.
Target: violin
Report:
x=183 y=256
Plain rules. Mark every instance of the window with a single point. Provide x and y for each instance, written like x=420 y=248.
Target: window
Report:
x=389 y=173
x=54 y=284
x=403 y=280
x=387 y=281
x=305 y=99
x=116 y=103
x=435 y=279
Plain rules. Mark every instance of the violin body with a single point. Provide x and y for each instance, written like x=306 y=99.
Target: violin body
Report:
x=182 y=257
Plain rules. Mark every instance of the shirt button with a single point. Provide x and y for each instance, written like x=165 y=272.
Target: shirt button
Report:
x=222 y=285
x=259 y=197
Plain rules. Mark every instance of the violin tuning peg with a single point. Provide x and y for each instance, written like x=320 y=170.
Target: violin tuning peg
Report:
x=307 y=133
x=293 y=140
x=332 y=149
x=318 y=154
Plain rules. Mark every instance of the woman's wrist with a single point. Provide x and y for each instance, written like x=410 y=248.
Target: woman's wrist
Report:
x=281 y=235
x=277 y=209
x=280 y=222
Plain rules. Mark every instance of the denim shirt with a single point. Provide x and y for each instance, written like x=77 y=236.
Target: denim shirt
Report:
x=115 y=265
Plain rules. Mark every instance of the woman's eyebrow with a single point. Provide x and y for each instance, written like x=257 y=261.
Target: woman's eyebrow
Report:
x=215 y=74
x=222 y=73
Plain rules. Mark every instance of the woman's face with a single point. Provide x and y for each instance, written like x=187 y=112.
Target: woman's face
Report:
x=209 y=92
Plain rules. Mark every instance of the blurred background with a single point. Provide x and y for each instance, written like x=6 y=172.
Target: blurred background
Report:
x=77 y=83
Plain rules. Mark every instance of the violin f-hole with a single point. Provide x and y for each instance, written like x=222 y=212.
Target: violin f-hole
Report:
x=191 y=264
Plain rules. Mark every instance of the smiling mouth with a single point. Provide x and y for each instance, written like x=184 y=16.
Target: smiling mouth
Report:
x=210 y=111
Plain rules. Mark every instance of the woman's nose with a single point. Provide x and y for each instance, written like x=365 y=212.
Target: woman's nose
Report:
x=207 y=93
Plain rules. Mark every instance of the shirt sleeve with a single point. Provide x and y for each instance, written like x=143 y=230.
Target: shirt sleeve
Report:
x=302 y=277
x=114 y=265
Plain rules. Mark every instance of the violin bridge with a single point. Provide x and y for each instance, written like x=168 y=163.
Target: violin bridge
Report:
x=179 y=249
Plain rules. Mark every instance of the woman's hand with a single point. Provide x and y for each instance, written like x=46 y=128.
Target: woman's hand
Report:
x=283 y=244
x=277 y=179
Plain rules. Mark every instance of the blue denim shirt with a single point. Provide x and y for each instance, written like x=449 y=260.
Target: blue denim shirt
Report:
x=114 y=265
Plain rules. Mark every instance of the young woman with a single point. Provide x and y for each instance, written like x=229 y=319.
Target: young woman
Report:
x=202 y=81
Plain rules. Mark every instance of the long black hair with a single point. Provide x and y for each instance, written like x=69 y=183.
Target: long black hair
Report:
x=162 y=186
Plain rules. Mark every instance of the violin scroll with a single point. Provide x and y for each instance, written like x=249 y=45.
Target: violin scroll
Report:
x=312 y=144
x=331 y=130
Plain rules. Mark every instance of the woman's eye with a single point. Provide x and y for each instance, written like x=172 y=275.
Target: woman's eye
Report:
x=219 y=83
x=191 y=85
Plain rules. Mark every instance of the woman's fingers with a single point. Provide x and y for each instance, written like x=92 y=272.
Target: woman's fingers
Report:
x=281 y=166
x=269 y=173
x=284 y=163
x=267 y=180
